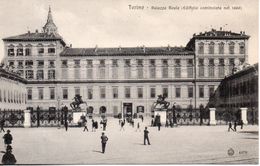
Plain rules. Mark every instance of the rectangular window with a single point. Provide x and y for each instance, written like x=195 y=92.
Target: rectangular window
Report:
x=64 y=64
x=190 y=92
x=140 y=73
x=20 y=72
x=221 y=48
x=177 y=72
x=64 y=73
x=89 y=63
x=127 y=92
x=77 y=73
x=102 y=72
x=152 y=92
x=51 y=50
x=201 y=48
x=102 y=63
x=190 y=72
x=29 y=63
x=77 y=91
x=40 y=93
x=102 y=92
x=201 y=91
x=29 y=94
x=211 y=90
x=165 y=72
x=19 y=52
x=10 y=52
x=52 y=93
x=40 y=75
x=89 y=73
x=165 y=91
x=40 y=64
x=29 y=74
x=28 y=51
x=20 y=64
x=115 y=72
x=51 y=74
x=114 y=62
x=178 y=92
x=51 y=64
x=140 y=92
x=11 y=63
x=139 y=62
x=40 y=50
x=152 y=72
x=152 y=62
x=127 y=62
x=201 y=71
x=115 y=92
x=127 y=72
x=65 y=93
x=90 y=93
x=77 y=63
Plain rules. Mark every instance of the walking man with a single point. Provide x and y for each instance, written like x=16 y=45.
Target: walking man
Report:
x=2 y=123
x=230 y=126
x=242 y=124
x=235 y=126
x=8 y=138
x=66 y=125
x=122 y=126
x=85 y=125
x=138 y=127
x=104 y=140
x=146 y=132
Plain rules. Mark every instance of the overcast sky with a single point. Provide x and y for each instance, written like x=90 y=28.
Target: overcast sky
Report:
x=110 y=23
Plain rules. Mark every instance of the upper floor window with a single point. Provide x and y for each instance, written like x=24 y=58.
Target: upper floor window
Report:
x=221 y=62
x=11 y=63
x=64 y=63
x=165 y=62
x=115 y=92
x=76 y=63
x=201 y=91
x=201 y=62
x=221 y=48
x=190 y=62
x=51 y=64
x=40 y=50
x=140 y=92
x=231 y=48
x=40 y=93
x=165 y=91
x=29 y=63
x=177 y=62
x=52 y=93
x=231 y=61
x=102 y=63
x=40 y=75
x=152 y=92
x=241 y=60
x=29 y=74
x=10 y=52
x=51 y=50
x=211 y=48
x=102 y=92
x=190 y=92
x=77 y=90
x=201 y=48
x=139 y=62
x=152 y=62
x=90 y=93
x=65 y=93
x=211 y=62
x=51 y=74
x=28 y=51
x=20 y=64
x=127 y=62
x=29 y=94
x=114 y=62
x=19 y=52
x=241 y=48
x=89 y=63
x=127 y=92
x=40 y=64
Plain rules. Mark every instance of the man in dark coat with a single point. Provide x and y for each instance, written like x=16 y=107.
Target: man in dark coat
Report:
x=235 y=126
x=230 y=126
x=8 y=138
x=104 y=140
x=146 y=132
x=8 y=158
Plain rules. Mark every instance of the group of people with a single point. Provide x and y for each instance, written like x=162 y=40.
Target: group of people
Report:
x=241 y=123
x=8 y=158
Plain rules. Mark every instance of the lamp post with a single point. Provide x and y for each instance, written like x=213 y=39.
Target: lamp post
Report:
x=38 y=116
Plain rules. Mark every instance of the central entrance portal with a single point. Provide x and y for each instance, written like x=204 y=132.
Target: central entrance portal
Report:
x=128 y=109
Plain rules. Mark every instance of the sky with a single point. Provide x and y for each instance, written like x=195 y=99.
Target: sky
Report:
x=110 y=23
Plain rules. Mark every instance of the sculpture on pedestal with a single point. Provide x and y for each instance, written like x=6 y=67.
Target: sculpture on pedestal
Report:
x=75 y=105
x=161 y=101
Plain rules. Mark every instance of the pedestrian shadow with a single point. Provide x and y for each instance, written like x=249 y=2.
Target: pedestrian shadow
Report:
x=250 y=138
x=249 y=132
x=139 y=144
x=97 y=151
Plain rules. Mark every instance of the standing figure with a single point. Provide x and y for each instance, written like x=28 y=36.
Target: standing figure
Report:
x=146 y=132
x=152 y=123
x=93 y=125
x=66 y=125
x=122 y=126
x=85 y=125
x=8 y=138
x=159 y=126
x=2 y=123
x=235 y=126
x=142 y=118
x=242 y=124
x=138 y=127
x=104 y=140
x=230 y=126
x=104 y=124
x=8 y=158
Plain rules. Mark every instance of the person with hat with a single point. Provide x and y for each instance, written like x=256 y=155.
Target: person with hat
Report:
x=8 y=158
x=104 y=140
x=146 y=132
x=8 y=138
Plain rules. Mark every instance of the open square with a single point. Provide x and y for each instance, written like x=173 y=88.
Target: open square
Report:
x=182 y=145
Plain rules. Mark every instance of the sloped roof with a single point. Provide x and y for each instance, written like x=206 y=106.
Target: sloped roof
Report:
x=35 y=37
x=126 y=51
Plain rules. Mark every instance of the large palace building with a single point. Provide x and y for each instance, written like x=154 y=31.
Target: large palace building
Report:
x=122 y=78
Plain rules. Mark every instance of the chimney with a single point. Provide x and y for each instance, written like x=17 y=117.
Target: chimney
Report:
x=220 y=28
x=169 y=47
x=36 y=31
x=96 y=48
x=70 y=45
x=143 y=48
x=119 y=48
x=29 y=32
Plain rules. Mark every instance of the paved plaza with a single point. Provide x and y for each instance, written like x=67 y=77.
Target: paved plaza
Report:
x=179 y=145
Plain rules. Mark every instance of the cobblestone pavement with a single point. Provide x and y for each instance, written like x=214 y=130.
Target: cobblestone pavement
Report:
x=179 y=145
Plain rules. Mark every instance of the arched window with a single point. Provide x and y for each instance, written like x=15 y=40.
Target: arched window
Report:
x=221 y=48
x=211 y=48
x=231 y=47
x=201 y=48
x=241 y=48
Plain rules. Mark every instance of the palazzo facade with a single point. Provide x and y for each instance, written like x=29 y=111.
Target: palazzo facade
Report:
x=122 y=78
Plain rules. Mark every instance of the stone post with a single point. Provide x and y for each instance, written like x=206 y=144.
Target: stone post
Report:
x=212 y=118
x=244 y=115
x=27 y=118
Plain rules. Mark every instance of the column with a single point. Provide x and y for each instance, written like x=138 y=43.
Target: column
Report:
x=212 y=117
x=244 y=115
x=27 y=118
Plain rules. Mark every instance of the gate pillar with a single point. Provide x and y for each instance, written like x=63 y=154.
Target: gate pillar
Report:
x=27 y=118
x=244 y=115
x=212 y=116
